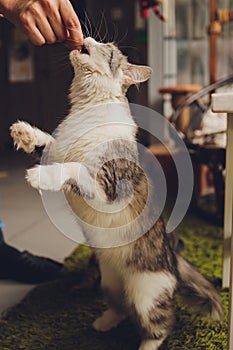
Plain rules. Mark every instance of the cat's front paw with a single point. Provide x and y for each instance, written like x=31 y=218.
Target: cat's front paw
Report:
x=44 y=177
x=33 y=177
x=24 y=136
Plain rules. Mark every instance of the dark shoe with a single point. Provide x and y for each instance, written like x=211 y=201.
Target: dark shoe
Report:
x=26 y=267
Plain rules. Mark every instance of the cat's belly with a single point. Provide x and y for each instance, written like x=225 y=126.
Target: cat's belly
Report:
x=97 y=215
x=104 y=228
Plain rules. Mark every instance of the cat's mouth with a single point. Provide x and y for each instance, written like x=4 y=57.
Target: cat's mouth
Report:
x=84 y=50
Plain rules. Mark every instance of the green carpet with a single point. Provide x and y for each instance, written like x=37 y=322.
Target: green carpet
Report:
x=58 y=316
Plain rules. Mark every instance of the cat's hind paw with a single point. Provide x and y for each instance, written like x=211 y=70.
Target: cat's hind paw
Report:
x=24 y=136
x=150 y=344
x=107 y=321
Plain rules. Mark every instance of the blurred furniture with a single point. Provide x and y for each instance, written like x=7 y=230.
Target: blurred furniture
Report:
x=192 y=39
x=179 y=94
x=218 y=17
x=206 y=154
x=224 y=103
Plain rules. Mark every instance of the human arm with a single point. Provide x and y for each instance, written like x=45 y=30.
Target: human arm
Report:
x=45 y=21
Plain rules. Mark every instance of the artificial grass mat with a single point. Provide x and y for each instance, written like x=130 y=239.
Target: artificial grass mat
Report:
x=58 y=316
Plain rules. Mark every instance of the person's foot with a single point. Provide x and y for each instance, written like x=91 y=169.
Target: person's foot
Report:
x=26 y=267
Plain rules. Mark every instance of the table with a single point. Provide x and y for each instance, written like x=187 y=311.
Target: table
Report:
x=223 y=102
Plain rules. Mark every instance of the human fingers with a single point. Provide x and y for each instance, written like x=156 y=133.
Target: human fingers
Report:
x=36 y=26
x=42 y=23
x=72 y=25
x=28 y=26
x=51 y=10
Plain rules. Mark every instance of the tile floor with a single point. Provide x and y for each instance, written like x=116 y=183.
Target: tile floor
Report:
x=26 y=223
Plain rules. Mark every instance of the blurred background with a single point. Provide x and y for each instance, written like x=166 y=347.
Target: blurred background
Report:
x=34 y=81
x=191 y=50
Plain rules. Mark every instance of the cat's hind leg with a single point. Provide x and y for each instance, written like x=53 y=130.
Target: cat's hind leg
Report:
x=150 y=295
x=112 y=287
x=27 y=137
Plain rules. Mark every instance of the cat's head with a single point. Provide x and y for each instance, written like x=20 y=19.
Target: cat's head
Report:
x=106 y=60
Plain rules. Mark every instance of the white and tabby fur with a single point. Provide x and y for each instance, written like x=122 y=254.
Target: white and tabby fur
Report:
x=139 y=279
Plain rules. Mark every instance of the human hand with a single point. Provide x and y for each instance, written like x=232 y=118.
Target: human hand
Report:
x=45 y=21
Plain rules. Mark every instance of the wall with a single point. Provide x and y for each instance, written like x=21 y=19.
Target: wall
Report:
x=41 y=98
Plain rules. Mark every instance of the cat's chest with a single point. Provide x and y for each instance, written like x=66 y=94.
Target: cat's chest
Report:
x=89 y=143
x=73 y=145
x=81 y=135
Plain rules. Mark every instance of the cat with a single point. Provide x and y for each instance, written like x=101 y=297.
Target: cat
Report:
x=93 y=158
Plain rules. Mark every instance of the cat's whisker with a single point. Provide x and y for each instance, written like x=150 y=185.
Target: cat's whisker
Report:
x=97 y=35
x=116 y=32
x=85 y=27
x=59 y=61
x=72 y=29
x=103 y=18
x=62 y=68
x=123 y=37
x=89 y=25
x=62 y=62
x=106 y=29
x=86 y=32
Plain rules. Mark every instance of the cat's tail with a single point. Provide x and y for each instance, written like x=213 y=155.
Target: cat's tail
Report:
x=197 y=292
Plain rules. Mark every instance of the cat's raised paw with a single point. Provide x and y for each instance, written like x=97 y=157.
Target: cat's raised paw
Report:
x=45 y=177
x=33 y=177
x=23 y=136
x=42 y=178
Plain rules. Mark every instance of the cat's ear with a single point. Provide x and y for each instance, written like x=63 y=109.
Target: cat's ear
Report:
x=134 y=74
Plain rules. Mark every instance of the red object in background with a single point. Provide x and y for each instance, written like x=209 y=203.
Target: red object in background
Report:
x=145 y=5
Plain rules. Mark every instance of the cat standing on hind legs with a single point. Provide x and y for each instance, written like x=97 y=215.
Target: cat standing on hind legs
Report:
x=95 y=163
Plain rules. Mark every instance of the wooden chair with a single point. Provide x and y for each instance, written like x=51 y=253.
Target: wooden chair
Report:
x=179 y=94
